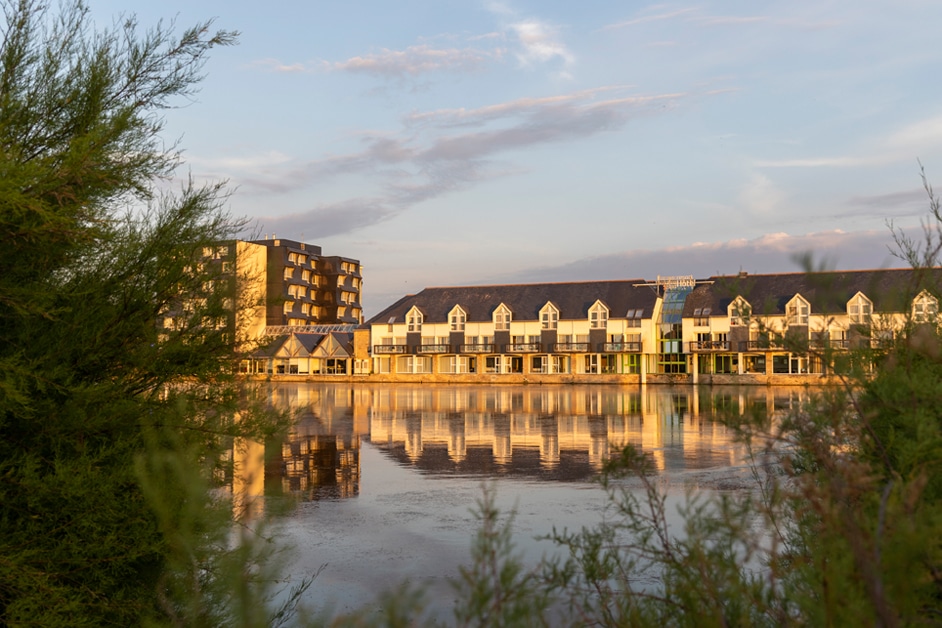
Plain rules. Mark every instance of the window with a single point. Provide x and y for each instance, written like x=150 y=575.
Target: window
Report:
x=288 y=307
x=457 y=318
x=414 y=319
x=306 y=275
x=701 y=317
x=797 y=310
x=289 y=273
x=549 y=317
x=502 y=318
x=739 y=312
x=598 y=316
x=634 y=318
x=925 y=308
x=592 y=363
x=859 y=309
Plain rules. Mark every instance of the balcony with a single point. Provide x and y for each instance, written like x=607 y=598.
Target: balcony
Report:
x=478 y=348
x=697 y=346
x=434 y=348
x=571 y=347
x=379 y=349
x=839 y=343
x=761 y=344
x=621 y=347
x=523 y=347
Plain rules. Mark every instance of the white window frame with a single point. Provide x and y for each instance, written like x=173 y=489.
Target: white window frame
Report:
x=502 y=317
x=925 y=308
x=414 y=320
x=549 y=317
x=739 y=312
x=598 y=316
x=860 y=309
x=457 y=318
x=798 y=311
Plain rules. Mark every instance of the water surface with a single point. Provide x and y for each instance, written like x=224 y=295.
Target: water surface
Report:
x=382 y=479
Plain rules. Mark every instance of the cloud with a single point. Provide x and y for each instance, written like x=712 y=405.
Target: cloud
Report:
x=904 y=144
x=331 y=219
x=770 y=253
x=695 y=16
x=648 y=18
x=417 y=60
x=443 y=151
x=539 y=44
x=761 y=195
x=274 y=65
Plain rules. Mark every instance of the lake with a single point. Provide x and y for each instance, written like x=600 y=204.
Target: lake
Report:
x=381 y=480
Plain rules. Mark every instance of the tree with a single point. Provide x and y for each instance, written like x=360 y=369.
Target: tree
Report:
x=109 y=422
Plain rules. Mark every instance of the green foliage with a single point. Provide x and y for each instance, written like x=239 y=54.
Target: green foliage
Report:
x=842 y=528
x=108 y=421
x=496 y=589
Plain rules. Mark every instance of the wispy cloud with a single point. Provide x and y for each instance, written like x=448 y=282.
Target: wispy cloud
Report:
x=539 y=43
x=760 y=195
x=416 y=60
x=697 y=16
x=397 y=64
x=644 y=19
x=443 y=151
x=274 y=65
x=769 y=253
x=904 y=144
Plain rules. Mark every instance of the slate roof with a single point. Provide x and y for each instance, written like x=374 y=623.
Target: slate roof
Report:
x=890 y=290
x=525 y=301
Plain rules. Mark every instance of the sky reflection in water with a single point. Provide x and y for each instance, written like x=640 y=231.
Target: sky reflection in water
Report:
x=384 y=478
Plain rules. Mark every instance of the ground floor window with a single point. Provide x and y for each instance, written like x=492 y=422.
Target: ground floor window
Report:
x=492 y=364
x=609 y=364
x=516 y=364
x=753 y=364
x=592 y=364
x=631 y=363
x=560 y=363
x=538 y=364
x=672 y=363
x=381 y=365
x=336 y=366
x=456 y=364
x=725 y=364
x=414 y=364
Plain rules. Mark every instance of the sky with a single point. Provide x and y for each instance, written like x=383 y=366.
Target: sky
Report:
x=446 y=142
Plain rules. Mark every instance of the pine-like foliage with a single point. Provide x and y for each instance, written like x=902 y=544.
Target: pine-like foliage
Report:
x=106 y=416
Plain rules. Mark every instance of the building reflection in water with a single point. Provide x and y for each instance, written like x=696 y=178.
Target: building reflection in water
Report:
x=544 y=432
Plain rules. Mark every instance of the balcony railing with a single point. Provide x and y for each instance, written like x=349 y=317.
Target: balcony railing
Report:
x=523 y=347
x=709 y=345
x=764 y=343
x=621 y=347
x=389 y=348
x=840 y=343
x=477 y=348
x=571 y=347
x=434 y=348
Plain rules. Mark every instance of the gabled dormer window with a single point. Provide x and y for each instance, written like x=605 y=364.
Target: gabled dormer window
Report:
x=860 y=309
x=739 y=312
x=549 y=317
x=925 y=308
x=797 y=311
x=502 y=317
x=414 y=319
x=457 y=318
x=598 y=316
